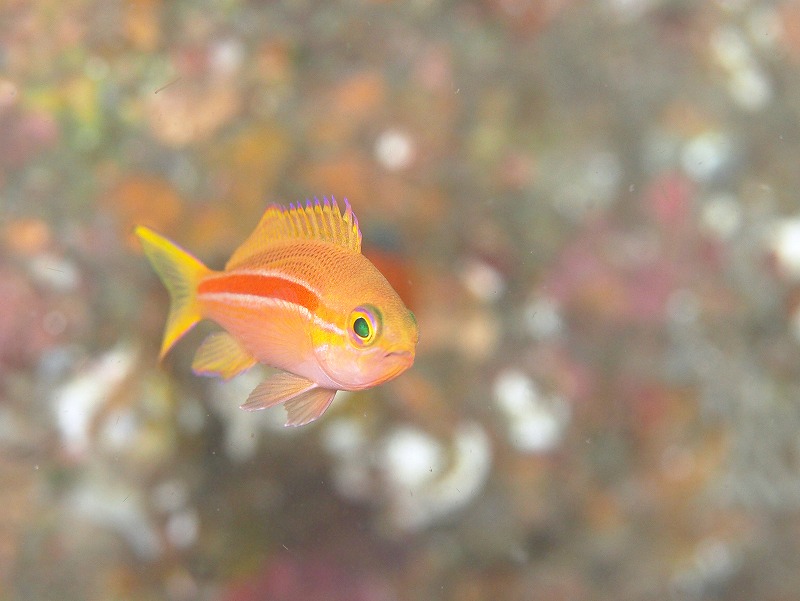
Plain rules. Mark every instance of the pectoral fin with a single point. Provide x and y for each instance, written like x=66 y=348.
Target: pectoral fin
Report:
x=221 y=355
x=305 y=400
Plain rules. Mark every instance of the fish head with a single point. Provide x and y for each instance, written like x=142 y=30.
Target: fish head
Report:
x=375 y=342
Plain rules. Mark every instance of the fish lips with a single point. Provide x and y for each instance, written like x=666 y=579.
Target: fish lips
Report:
x=404 y=356
x=400 y=360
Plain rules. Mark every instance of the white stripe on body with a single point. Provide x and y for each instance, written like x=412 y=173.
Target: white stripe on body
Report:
x=255 y=300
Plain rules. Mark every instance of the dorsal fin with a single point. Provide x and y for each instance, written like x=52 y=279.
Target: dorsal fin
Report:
x=314 y=221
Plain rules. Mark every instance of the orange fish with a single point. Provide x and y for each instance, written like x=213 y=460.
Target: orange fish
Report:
x=299 y=296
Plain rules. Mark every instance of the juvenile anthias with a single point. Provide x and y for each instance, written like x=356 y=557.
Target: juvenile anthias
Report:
x=297 y=295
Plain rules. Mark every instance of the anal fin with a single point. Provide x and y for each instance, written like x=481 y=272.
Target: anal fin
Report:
x=221 y=355
x=305 y=400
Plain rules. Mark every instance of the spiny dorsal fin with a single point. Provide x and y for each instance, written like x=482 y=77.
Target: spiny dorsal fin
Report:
x=314 y=221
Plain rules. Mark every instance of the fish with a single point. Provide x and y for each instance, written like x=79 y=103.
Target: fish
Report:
x=298 y=295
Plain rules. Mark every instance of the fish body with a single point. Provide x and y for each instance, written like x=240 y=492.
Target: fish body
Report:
x=297 y=295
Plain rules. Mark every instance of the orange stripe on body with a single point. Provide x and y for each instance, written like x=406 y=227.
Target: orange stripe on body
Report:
x=267 y=286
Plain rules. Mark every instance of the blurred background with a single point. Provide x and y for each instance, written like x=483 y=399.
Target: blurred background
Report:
x=591 y=206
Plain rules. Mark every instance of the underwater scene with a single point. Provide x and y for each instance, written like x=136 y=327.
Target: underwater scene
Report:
x=371 y=300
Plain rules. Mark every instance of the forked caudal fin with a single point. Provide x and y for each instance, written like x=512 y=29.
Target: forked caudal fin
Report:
x=181 y=273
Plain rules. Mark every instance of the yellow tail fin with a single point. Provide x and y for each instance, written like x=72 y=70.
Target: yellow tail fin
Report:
x=181 y=273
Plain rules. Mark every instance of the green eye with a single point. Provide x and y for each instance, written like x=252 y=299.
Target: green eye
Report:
x=365 y=322
x=361 y=328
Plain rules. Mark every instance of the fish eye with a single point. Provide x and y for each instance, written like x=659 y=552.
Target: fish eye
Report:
x=364 y=324
x=361 y=328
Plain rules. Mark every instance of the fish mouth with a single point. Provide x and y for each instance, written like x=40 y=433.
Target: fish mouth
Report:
x=401 y=355
x=402 y=360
